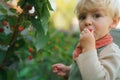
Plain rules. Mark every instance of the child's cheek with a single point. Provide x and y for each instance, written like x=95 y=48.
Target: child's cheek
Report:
x=81 y=28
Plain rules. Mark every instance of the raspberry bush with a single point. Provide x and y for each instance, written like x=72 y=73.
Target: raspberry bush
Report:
x=22 y=35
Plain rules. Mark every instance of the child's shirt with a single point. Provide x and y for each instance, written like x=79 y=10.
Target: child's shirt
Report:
x=93 y=66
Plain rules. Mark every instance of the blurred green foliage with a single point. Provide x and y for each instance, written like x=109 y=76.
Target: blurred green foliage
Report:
x=59 y=49
x=50 y=45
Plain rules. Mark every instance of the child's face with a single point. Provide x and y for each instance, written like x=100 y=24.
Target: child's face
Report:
x=97 y=20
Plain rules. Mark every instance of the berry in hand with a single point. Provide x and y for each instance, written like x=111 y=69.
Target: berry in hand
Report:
x=90 y=30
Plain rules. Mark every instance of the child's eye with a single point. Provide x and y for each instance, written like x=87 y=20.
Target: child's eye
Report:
x=96 y=15
x=82 y=17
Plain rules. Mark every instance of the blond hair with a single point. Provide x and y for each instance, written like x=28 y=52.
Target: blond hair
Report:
x=111 y=6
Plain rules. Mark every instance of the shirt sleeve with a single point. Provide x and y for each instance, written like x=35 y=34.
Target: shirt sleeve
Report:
x=104 y=67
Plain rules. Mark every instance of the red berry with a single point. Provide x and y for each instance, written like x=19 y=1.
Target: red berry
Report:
x=30 y=57
x=30 y=50
x=1 y=30
x=29 y=7
x=20 y=28
x=4 y=23
x=90 y=30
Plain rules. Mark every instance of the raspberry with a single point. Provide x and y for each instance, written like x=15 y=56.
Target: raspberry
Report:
x=90 y=30
x=4 y=23
x=30 y=57
x=1 y=30
x=30 y=50
x=20 y=28
x=29 y=7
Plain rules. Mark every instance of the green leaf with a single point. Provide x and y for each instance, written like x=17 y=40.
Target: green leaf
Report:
x=5 y=39
x=3 y=74
x=11 y=74
x=45 y=14
x=45 y=18
x=3 y=10
x=38 y=7
x=40 y=38
x=8 y=74
x=2 y=17
x=12 y=20
x=12 y=10
x=49 y=5
x=31 y=2
x=24 y=72
x=26 y=23
x=37 y=25
x=40 y=41
x=21 y=3
x=2 y=55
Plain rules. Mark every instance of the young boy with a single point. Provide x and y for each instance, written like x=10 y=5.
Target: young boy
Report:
x=96 y=56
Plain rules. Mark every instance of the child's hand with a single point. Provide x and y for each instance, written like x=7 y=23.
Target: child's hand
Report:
x=87 y=40
x=61 y=69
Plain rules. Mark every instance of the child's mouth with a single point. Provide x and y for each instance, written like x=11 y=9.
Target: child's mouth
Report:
x=90 y=30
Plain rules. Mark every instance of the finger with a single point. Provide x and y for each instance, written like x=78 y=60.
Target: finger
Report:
x=82 y=32
x=55 y=65
x=61 y=74
x=81 y=35
x=59 y=67
x=55 y=70
x=86 y=30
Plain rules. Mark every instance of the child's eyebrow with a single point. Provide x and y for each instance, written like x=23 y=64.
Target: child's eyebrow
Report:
x=97 y=10
x=90 y=11
x=87 y=11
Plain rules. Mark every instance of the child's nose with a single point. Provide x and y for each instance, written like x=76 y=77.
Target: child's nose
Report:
x=88 y=21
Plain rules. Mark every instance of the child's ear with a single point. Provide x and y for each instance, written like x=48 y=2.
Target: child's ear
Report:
x=115 y=22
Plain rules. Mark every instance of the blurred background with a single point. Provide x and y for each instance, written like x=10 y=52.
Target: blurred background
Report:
x=63 y=35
